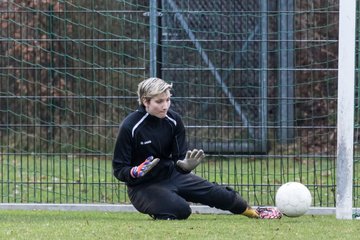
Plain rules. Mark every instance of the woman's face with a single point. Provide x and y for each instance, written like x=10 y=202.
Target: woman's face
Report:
x=159 y=105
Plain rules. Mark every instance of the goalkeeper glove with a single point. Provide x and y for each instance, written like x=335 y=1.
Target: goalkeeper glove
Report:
x=145 y=167
x=192 y=160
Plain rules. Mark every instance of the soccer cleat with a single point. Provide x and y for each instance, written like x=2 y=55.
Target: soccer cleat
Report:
x=268 y=213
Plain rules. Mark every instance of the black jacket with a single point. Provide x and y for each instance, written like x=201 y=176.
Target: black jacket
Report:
x=142 y=135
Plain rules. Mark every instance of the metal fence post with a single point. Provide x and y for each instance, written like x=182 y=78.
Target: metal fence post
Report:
x=155 y=56
x=286 y=73
x=264 y=74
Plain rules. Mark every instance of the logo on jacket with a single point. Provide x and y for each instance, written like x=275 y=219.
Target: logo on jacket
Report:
x=145 y=142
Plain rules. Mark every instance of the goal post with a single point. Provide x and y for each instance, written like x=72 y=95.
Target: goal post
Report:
x=345 y=115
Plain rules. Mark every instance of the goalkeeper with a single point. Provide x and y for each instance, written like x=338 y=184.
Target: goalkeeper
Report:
x=152 y=158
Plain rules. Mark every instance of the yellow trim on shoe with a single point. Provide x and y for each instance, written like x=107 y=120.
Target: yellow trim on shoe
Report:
x=250 y=213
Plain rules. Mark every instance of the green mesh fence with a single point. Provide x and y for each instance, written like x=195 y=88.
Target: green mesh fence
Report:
x=254 y=80
x=69 y=74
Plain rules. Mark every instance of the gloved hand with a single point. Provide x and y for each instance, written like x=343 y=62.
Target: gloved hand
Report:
x=145 y=167
x=192 y=160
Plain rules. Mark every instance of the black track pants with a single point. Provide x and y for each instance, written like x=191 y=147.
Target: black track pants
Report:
x=169 y=198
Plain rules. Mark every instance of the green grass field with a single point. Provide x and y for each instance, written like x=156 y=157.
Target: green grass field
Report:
x=74 y=225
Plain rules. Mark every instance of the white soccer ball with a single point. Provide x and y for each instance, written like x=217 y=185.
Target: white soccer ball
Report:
x=293 y=199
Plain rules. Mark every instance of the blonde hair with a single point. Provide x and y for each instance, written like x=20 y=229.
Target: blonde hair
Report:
x=151 y=87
